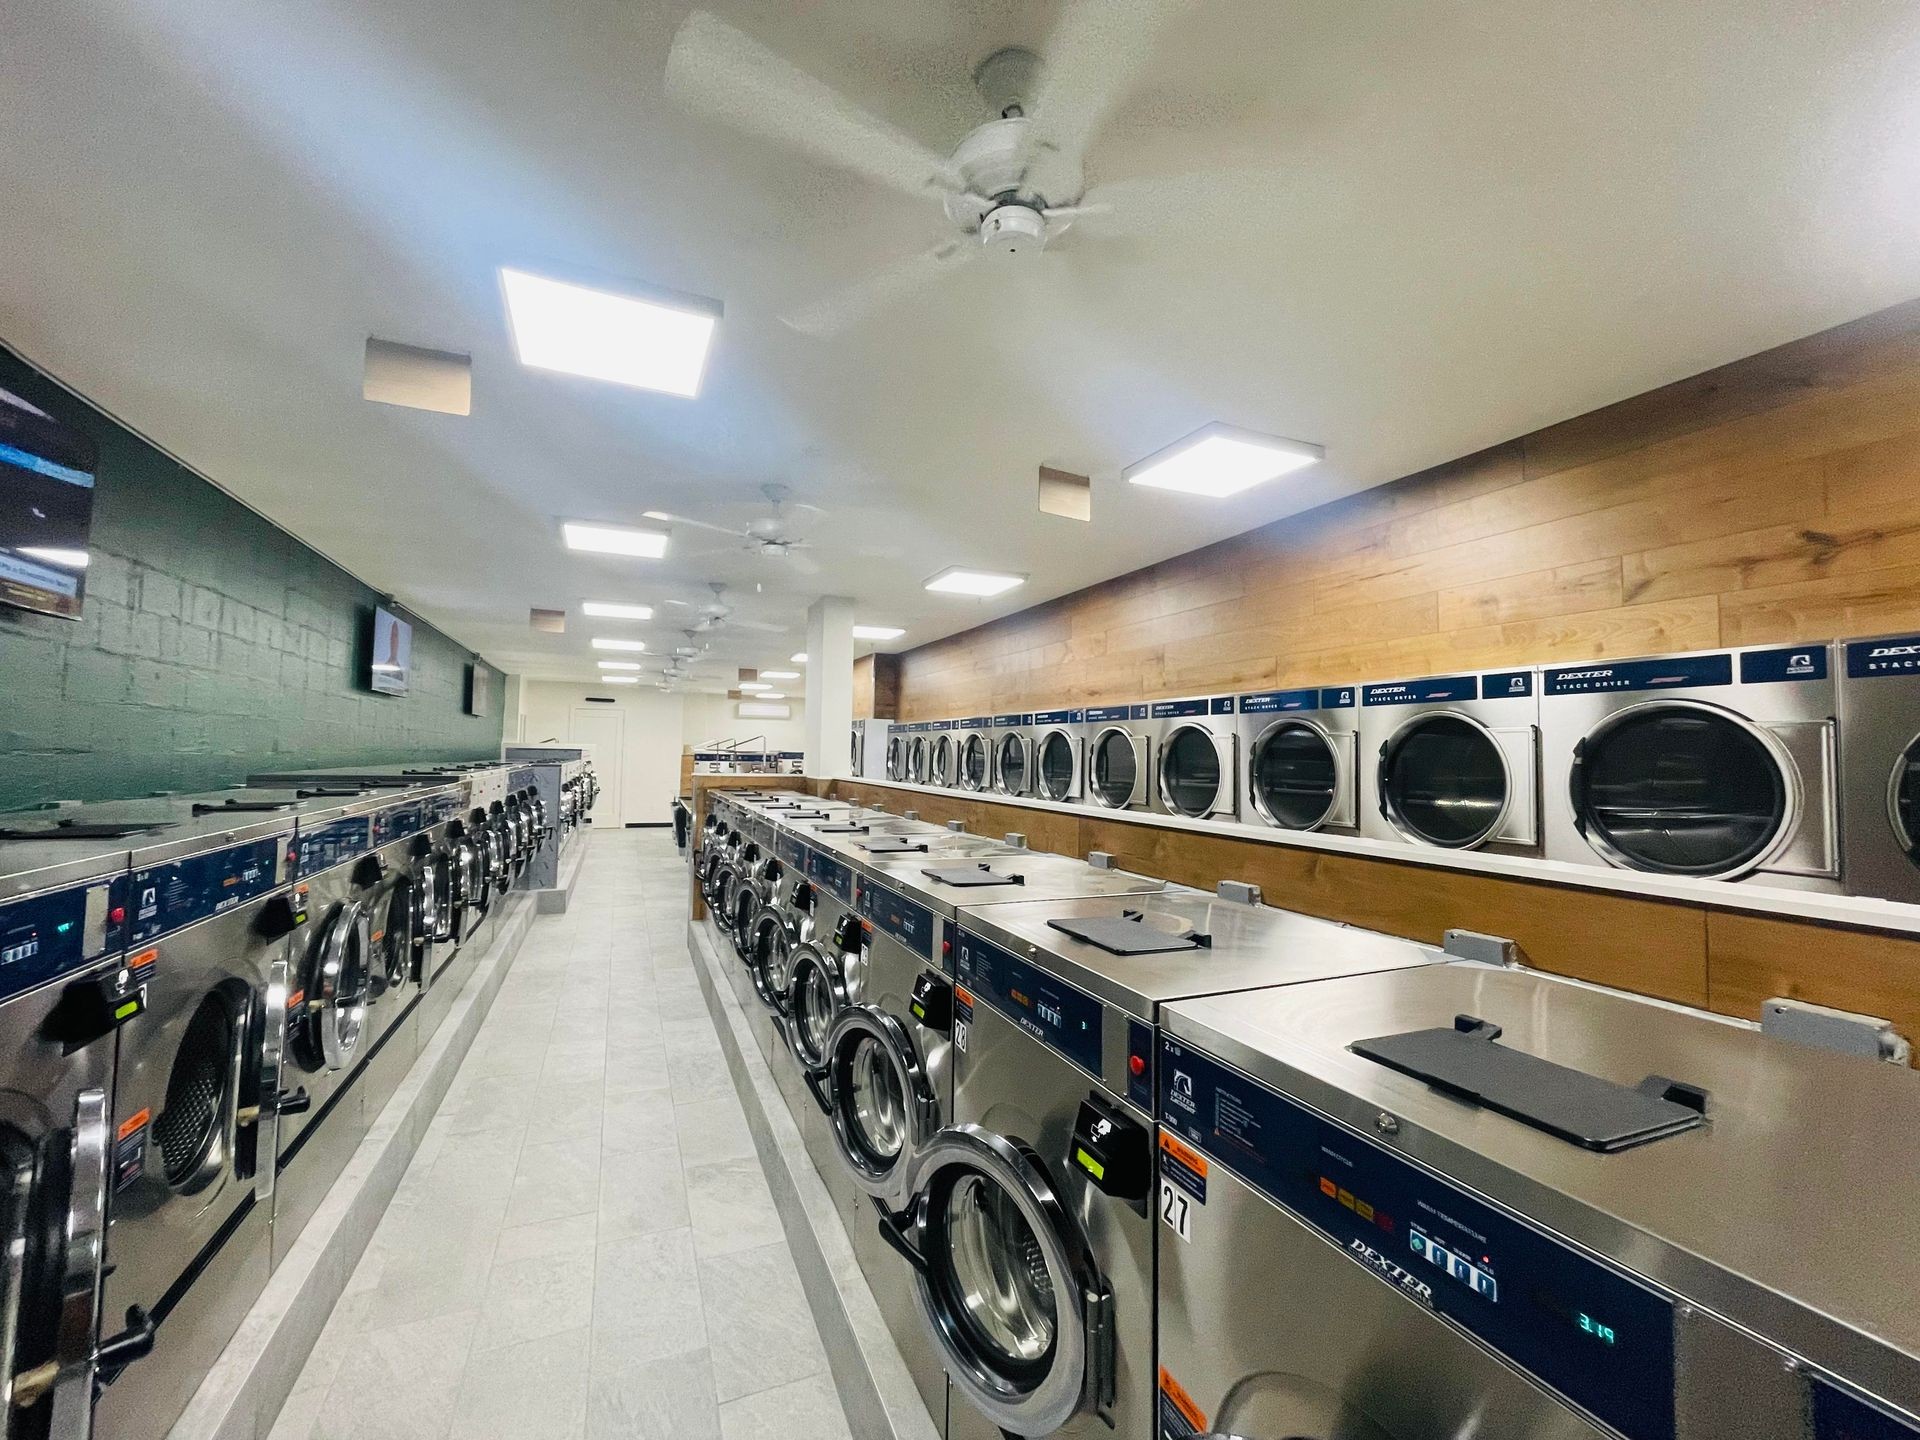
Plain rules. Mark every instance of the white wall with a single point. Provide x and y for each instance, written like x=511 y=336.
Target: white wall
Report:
x=656 y=728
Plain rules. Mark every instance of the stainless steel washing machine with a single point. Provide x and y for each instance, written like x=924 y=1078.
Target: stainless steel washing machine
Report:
x=1302 y=750
x=973 y=756
x=1488 y=1202
x=1716 y=764
x=1029 y=1227
x=1119 y=769
x=1059 y=756
x=943 y=755
x=64 y=992
x=1194 y=744
x=1010 y=763
x=1452 y=761
x=1879 y=685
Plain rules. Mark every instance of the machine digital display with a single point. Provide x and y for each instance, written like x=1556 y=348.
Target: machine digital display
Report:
x=46 y=510
x=390 y=668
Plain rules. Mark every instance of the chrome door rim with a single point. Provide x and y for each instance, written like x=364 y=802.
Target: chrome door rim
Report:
x=341 y=1015
x=940 y=762
x=1214 y=807
x=974 y=742
x=1093 y=754
x=1044 y=1407
x=917 y=760
x=1325 y=737
x=805 y=957
x=1009 y=744
x=1040 y=784
x=1391 y=811
x=1791 y=804
x=868 y=1026
x=1908 y=841
x=770 y=920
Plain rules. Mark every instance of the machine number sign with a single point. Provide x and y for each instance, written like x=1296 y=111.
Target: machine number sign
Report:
x=1176 y=1209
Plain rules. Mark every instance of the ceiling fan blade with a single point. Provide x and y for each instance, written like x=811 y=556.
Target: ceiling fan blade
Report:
x=700 y=524
x=732 y=77
x=834 y=313
x=760 y=625
x=1097 y=52
x=802 y=565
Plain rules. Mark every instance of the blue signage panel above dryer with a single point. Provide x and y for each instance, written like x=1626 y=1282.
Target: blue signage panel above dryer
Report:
x=1717 y=764
x=1879 y=711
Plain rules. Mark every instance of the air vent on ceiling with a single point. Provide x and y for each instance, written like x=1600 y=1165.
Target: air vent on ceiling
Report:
x=418 y=378
x=552 y=622
x=1065 y=494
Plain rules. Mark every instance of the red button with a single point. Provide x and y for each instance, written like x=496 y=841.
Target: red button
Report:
x=117 y=914
x=1136 y=1064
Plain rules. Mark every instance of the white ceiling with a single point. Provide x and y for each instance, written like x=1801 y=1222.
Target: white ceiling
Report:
x=1403 y=230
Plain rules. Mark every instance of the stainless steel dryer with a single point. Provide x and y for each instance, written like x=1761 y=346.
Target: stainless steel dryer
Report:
x=1302 y=750
x=64 y=991
x=1452 y=761
x=1195 y=748
x=973 y=754
x=896 y=764
x=1059 y=756
x=1879 y=686
x=1010 y=758
x=919 y=759
x=943 y=754
x=1119 y=773
x=1717 y=764
x=1032 y=1229
x=1489 y=1202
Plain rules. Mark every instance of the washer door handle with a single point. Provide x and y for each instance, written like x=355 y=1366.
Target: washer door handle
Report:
x=893 y=1231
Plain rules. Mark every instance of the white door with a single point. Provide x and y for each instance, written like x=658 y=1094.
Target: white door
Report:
x=604 y=728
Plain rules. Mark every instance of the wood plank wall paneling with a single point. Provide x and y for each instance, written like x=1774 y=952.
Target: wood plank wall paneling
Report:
x=1771 y=500
x=876 y=687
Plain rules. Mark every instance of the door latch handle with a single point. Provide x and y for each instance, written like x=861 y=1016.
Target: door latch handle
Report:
x=894 y=1233
x=818 y=1093
x=131 y=1344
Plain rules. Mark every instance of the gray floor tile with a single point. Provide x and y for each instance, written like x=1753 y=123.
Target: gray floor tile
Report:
x=667 y=1398
x=536 y=1390
x=804 y=1410
x=760 y=1331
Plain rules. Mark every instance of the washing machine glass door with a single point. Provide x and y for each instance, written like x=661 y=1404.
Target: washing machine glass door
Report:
x=816 y=994
x=742 y=906
x=1113 y=769
x=1676 y=787
x=1444 y=781
x=973 y=762
x=896 y=759
x=769 y=946
x=1010 y=765
x=884 y=1112
x=1020 y=1317
x=917 y=760
x=390 y=916
x=336 y=989
x=1294 y=775
x=1903 y=800
x=1057 y=765
x=1191 y=773
x=941 y=766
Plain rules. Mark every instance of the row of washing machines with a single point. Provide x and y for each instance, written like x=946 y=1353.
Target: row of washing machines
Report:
x=1789 y=765
x=205 y=1001
x=1120 y=1157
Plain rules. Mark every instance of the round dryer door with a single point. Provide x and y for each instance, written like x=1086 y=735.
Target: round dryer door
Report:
x=1903 y=800
x=973 y=762
x=896 y=759
x=1010 y=765
x=1444 y=781
x=1113 y=769
x=195 y=1127
x=1293 y=776
x=941 y=765
x=1057 y=766
x=885 y=1112
x=917 y=760
x=1191 y=776
x=1007 y=1290
x=1676 y=787
x=816 y=994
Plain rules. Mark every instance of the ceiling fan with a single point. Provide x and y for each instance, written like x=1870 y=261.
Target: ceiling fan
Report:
x=1009 y=187
x=716 y=614
x=775 y=536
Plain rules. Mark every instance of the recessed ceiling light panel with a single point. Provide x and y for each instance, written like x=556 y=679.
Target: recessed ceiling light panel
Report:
x=652 y=342
x=1220 y=460
x=958 y=580
x=779 y=674
x=617 y=665
x=799 y=659
x=619 y=679
x=877 y=632
x=607 y=610
x=602 y=642
x=614 y=540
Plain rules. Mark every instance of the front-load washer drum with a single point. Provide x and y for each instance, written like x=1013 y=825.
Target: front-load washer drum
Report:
x=1010 y=765
x=917 y=760
x=768 y=950
x=1293 y=777
x=1056 y=767
x=1903 y=799
x=941 y=765
x=336 y=990
x=816 y=995
x=1190 y=772
x=973 y=762
x=1444 y=781
x=1112 y=770
x=884 y=1110
x=1675 y=787
x=191 y=1128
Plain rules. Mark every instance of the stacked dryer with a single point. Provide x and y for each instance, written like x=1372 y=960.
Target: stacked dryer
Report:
x=1452 y=761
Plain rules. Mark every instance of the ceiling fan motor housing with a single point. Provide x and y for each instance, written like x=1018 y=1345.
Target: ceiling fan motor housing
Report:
x=1014 y=230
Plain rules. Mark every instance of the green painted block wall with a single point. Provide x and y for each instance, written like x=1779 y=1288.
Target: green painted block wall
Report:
x=212 y=645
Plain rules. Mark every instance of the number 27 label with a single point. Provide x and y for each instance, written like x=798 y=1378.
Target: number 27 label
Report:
x=1176 y=1209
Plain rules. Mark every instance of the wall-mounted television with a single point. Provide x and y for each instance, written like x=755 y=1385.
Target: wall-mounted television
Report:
x=46 y=510
x=479 y=680
x=390 y=663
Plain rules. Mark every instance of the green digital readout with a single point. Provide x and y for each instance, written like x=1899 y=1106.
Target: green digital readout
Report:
x=1599 y=1329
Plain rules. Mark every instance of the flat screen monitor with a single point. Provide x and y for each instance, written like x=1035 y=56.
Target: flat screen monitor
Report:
x=391 y=666
x=46 y=510
x=479 y=680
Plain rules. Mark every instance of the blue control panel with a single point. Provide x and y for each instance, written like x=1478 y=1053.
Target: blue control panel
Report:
x=1784 y=665
x=1281 y=702
x=1441 y=689
x=328 y=845
x=1059 y=717
x=399 y=822
x=1838 y=1415
x=910 y=924
x=1673 y=672
x=1107 y=714
x=977 y=722
x=168 y=897
x=1186 y=709
x=1507 y=685
x=835 y=875
x=1599 y=1338
x=1877 y=659
x=788 y=847
x=45 y=936
x=1053 y=1012
x=1009 y=722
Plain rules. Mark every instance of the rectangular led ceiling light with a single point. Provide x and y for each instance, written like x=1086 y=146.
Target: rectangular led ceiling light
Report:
x=754 y=685
x=618 y=665
x=417 y=378
x=614 y=540
x=606 y=610
x=877 y=632
x=602 y=642
x=652 y=342
x=779 y=674
x=1219 y=460
x=799 y=659
x=957 y=580
x=619 y=679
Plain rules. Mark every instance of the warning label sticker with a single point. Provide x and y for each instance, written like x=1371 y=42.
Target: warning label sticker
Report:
x=130 y=1150
x=1180 y=1418
x=1183 y=1165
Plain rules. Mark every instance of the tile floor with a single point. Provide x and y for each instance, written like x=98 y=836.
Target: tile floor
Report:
x=584 y=1247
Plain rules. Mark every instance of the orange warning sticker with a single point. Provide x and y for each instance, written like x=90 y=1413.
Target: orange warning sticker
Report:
x=142 y=960
x=1172 y=1394
x=961 y=994
x=294 y=1000
x=133 y=1122
x=1184 y=1153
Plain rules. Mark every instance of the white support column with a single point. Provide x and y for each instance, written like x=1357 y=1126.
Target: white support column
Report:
x=829 y=720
